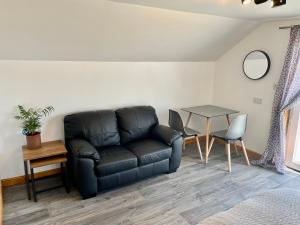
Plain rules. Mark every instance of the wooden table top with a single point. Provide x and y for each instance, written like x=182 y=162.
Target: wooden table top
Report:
x=48 y=149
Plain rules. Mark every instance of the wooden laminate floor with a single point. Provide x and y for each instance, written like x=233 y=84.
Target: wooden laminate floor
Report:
x=186 y=197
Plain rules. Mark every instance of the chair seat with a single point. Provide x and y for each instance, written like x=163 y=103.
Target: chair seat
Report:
x=114 y=159
x=222 y=134
x=188 y=132
x=149 y=151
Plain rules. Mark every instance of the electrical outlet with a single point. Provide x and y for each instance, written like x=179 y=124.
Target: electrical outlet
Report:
x=257 y=100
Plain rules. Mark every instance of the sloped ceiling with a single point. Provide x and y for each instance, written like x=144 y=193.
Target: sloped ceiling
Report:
x=102 y=30
x=227 y=8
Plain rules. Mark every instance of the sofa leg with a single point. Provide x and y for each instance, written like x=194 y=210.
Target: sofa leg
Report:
x=172 y=171
x=88 y=196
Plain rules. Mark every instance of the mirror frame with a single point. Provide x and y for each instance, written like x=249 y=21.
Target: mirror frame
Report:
x=269 y=64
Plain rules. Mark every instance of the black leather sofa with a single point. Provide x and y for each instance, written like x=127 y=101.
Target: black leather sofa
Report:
x=110 y=148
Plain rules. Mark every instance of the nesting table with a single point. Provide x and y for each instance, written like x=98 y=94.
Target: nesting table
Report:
x=50 y=153
x=208 y=112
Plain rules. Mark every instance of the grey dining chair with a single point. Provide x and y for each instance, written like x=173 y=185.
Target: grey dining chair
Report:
x=175 y=122
x=234 y=133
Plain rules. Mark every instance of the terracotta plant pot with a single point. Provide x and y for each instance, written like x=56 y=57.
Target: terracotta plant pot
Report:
x=34 y=141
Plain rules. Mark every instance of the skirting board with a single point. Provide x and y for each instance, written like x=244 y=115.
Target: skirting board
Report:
x=251 y=154
x=21 y=179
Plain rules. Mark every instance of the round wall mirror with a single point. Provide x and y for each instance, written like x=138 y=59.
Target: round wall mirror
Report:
x=256 y=65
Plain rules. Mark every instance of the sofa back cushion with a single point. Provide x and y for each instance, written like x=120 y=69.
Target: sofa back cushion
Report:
x=99 y=128
x=136 y=122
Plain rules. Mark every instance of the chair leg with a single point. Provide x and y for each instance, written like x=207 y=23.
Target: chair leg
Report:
x=183 y=145
x=229 y=157
x=245 y=153
x=198 y=146
x=236 y=149
x=210 y=145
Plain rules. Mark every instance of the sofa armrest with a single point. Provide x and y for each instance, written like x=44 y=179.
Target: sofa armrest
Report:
x=175 y=159
x=166 y=134
x=83 y=149
x=86 y=178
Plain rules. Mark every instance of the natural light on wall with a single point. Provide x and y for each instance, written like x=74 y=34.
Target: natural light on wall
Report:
x=296 y=157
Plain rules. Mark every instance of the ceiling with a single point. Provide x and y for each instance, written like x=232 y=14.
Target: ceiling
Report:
x=226 y=8
x=104 y=30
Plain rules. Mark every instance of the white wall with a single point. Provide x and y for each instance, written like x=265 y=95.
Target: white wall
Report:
x=233 y=89
x=79 y=86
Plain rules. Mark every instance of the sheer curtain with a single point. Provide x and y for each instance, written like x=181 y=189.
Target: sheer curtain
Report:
x=293 y=139
x=286 y=96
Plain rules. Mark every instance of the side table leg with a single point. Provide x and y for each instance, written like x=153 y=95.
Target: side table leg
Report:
x=27 y=180
x=33 y=185
x=65 y=176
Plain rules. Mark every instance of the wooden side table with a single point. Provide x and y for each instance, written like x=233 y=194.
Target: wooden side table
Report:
x=50 y=153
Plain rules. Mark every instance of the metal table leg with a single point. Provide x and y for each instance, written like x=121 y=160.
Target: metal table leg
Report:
x=33 y=185
x=27 y=180
x=64 y=171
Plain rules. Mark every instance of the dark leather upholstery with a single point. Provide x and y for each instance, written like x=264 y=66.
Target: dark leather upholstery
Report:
x=115 y=159
x=98 y=161
x=100 y=128
x=165 y=134
x=149 y=151
x=86 y=179
x=84 y=149
x=136 y=122
x=129 y=176
x=175 y=158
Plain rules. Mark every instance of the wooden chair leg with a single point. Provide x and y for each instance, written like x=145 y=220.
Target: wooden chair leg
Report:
x=236 y=149
x=210 y=145
x=228 y=157
x=199 y=147
x=245 y=153
x=183 y=145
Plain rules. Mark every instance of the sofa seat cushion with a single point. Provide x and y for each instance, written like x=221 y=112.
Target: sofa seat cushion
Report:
x=149 y=151
x=115 y=159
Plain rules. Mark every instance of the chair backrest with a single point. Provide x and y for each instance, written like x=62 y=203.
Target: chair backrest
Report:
x=237 y=127
x=175 y=121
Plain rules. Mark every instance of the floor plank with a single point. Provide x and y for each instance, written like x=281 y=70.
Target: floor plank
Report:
x=186 y=197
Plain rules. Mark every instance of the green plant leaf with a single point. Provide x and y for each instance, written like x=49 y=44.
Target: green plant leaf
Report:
x=31 y=118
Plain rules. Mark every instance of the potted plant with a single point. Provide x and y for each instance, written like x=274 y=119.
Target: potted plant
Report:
x=31 y=124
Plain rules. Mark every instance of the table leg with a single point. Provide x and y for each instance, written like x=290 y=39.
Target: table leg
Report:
x=27 y=180
x=68 y=186
x=188 y=120
x=65 y=176
x=33 y=185
x=207 y=139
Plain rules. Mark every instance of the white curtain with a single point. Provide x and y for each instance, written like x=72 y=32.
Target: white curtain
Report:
x=293 y=139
